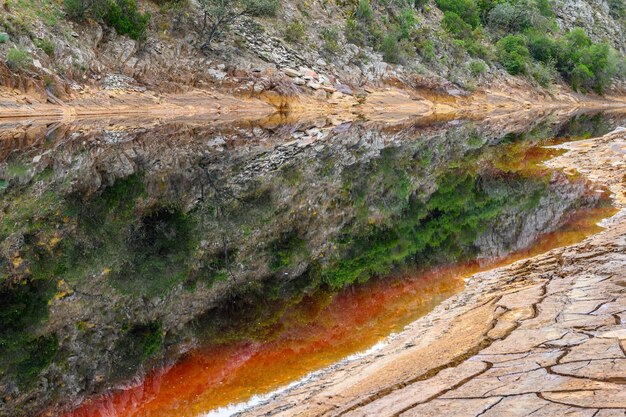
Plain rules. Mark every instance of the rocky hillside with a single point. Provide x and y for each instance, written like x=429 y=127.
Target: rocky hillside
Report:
x=59 y=48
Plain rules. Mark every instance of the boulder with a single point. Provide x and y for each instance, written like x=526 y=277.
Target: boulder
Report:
x=291 y=72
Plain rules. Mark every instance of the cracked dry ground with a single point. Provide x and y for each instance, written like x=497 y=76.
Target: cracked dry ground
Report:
x=542 y=337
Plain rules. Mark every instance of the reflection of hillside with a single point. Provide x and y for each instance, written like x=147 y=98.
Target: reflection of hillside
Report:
x=144 y=230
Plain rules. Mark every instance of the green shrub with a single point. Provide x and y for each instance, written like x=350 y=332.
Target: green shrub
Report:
x=584 y=64
x=545 y=9
x=467 y=39
x=261 y=8
x=76 y=9
x=4 y=37
x=453 y=23
x=541 y=47
x=46 y=45
x=467 y=10
x=617 y=9
x=330 y=36
x=427 y=51
x=516 y=17
x=353 y=32
x=19 y=59
x=295 y=32
x=406 y=22
x=364 y=11
x=390 y=50
x=544 y=74
x=513 y=54
x=124 y=16
x=362 y=27
x=477 y=67
x=477 y=49
x=581 y=77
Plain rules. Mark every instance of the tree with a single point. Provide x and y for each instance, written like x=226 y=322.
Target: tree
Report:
x=218 y=15
x=516 y=17
x=513 y=54
x=467 y=10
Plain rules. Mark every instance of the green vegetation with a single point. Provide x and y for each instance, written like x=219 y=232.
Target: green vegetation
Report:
x=218 y=15
x=419 y=231
x=136 y=346
x=23 y=307
x=19 y=59
x=617 y=9
x=46 y=45
x=330 y=36
x=466 y=10
x=513 y=54
x=4 y=37
x=295 y=32
x=122 y=15
x=528 y=42
x=390 y=49
x=477 y=67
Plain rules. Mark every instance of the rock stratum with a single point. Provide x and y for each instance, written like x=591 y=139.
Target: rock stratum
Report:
x=544 y=336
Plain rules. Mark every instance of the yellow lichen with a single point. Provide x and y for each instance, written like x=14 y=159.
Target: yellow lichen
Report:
x=17 y=261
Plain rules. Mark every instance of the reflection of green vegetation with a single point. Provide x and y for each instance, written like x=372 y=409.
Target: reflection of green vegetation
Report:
x=247 y=314
x=385 y=187
x=39 y=353
x=138 y=344
x=145 y=250
x=285 y=250
x=22 y=309
x=585 y=126
x=17 y=169
x=415 y=204
x=292 y=175
x=441 y=229
x=30 y=214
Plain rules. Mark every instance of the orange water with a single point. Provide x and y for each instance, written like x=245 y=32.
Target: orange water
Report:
x=350 y=322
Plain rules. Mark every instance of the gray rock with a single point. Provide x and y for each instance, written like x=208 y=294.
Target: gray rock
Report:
x=291 y=72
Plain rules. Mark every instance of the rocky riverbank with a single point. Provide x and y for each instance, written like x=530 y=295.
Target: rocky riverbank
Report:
x=544 y=336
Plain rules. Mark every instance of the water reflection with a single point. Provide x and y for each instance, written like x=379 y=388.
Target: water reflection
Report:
x=261 y=249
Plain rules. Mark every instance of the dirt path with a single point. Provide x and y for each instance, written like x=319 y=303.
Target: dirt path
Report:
x=543 y=337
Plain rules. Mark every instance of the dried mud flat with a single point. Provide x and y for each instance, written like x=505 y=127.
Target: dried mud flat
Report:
x=544 y=336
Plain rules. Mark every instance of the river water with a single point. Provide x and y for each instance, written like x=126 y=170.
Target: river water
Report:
x=229 y=261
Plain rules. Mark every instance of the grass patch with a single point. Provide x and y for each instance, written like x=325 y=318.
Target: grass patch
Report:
x=19 y=59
